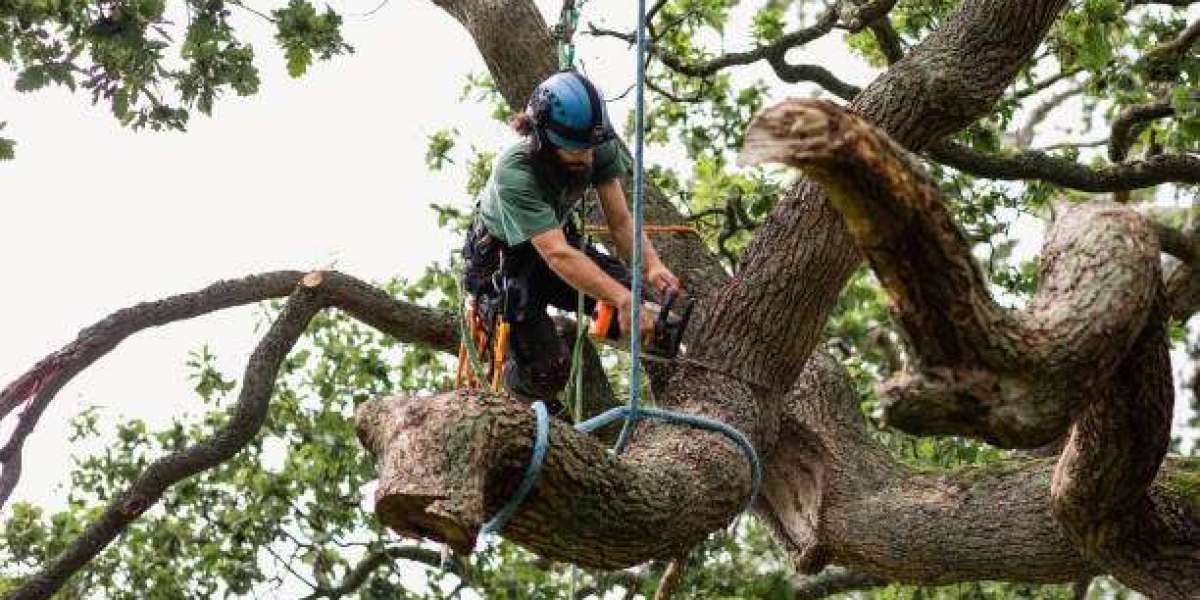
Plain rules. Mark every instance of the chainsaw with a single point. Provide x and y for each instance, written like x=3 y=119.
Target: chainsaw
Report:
x=661 y=341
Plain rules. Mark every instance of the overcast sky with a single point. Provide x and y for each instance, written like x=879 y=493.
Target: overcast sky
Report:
x=323 y=171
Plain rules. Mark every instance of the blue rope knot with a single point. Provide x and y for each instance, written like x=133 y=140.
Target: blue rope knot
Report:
x=541 y=445
x=678 y=418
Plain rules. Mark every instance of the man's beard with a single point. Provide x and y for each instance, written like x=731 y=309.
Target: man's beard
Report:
x=551 y=168
x=574 y=174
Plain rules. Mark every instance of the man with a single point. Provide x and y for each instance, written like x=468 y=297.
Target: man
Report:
x=524 y=253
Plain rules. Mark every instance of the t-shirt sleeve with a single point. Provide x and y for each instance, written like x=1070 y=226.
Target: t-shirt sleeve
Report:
x=612 y=161
x=523 y=212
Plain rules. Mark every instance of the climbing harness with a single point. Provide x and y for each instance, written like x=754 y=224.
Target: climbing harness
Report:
x=633 y=411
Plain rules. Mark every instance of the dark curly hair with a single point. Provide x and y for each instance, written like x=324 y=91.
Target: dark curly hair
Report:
x=522 y=123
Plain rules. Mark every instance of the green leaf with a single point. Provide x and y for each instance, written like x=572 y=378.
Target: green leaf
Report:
x=298 y=59
x=7 y=146
x=32 y=78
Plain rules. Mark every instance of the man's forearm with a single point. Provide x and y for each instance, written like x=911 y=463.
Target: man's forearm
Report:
x=581 y=273
x=623 y=239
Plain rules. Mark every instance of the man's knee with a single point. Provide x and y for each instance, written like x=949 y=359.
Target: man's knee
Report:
x=542 y=378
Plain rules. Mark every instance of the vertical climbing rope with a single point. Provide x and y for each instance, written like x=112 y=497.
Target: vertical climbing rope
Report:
x=632 y=411
x=635 y=342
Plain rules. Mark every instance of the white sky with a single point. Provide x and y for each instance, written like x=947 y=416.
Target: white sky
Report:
x=322 y=171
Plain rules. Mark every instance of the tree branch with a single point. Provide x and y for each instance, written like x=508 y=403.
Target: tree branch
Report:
x=833 y=580
x=888 y=38
x=774 y=53
x=1129 y=124
x=311 y=293
x=247 y=417
x=968 y=347
x=38 y=386
x=447 y=463
x=857 y=15
x=1032 y=164
x=377 y=558
x=1025 y=135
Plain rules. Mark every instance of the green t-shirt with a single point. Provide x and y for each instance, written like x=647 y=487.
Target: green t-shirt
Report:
x=516 y=204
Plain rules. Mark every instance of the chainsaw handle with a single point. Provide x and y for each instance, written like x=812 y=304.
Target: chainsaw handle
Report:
x=602 y=322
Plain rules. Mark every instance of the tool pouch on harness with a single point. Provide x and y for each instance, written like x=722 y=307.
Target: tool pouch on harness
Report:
x=496 y=275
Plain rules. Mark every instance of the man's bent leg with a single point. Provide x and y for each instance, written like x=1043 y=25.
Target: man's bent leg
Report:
x=538 y=362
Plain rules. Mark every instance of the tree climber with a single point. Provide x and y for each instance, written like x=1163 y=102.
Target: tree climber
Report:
x=524 y=252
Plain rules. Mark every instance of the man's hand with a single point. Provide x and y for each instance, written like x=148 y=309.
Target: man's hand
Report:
x=625 y=317
x=662 y=279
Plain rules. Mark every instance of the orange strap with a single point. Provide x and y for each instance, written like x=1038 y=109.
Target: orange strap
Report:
x=466 y=376
x=648 y=229
x=498 y=354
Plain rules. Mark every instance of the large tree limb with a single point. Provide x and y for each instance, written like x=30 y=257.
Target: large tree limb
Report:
x=1088 y=355
x=851 y=504
x=953 y=77
x=984 y=371
x=448 y=463
x=1032 y=164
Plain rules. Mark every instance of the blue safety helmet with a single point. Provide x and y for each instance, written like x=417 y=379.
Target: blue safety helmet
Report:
x=568 y=112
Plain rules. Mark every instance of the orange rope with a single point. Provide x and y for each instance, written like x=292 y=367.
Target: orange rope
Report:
x=648 y=229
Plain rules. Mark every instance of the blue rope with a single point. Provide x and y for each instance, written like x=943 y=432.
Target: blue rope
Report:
x=633 y=411
x=696 y=421
x=532 y=471
x=635 y=344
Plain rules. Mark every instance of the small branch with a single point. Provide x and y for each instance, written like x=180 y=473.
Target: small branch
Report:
x=695 y=98
x=269 y=18
x=889 y=40
x=1175 y=3
x=833 y=580
x=779 y=47
x=1181 y=244
x=1130 y=122
x=670 y=580
x=1031 y=164
x=816 y=74
x=1041 y=112
x=1072 y=145
x=1045 y=83
x=367 y=566
x=860 y=15
x=1180 y=45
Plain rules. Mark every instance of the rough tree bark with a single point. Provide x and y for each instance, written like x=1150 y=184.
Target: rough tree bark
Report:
x=832 y=495
x=1088 y=357
x=448 y=462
